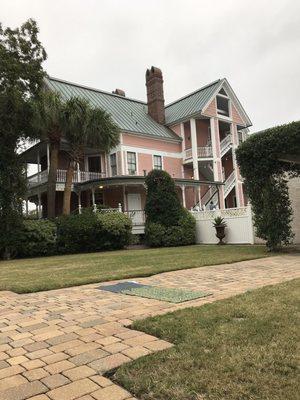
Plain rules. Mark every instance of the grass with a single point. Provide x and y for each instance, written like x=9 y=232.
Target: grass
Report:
x=36 y=274
x=243 y=348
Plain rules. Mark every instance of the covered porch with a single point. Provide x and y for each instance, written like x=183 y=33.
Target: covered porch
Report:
x=128 y=194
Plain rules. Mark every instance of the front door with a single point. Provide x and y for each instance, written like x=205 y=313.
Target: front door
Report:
x=135 y=208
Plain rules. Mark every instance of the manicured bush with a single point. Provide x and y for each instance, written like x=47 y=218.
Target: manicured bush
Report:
x=93 y=232
x=154 y=234
x=162 y=203
x=36 y=238
x=116 y=230
x=168 y=223
x=158 y=235
x=183 y=234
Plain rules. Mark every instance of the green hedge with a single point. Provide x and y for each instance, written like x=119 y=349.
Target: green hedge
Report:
x=93 y=232
x=182 y=234
x=36 y=238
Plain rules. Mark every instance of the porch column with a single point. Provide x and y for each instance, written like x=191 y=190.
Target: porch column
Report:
x=182 y=146
x=26 y=206
x=217 y=162
x=39 y=206
x=93 y=200
x=183 y=196
x=39 y=165
x=194 y=148
x=48 y=157
x=238 y=183
x=79 y=201
x=124 y=199
x=78 y=173
x=199 y=196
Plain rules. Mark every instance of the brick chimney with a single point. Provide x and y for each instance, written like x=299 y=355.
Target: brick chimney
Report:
x=155 y=94
x=119 y=92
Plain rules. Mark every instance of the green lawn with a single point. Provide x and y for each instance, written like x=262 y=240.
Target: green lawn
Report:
x=243 y=348
x=35 y=274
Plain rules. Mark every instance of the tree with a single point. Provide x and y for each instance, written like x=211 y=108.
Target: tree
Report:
x=260 y=160
x=21 y=79
x=49 y=113
x=85 y=126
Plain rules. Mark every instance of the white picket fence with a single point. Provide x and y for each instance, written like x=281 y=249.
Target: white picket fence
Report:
x=239 y=228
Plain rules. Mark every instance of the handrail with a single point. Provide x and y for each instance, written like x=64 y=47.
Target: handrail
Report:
x=202 y=152
x=229 y=182
x=225 y=144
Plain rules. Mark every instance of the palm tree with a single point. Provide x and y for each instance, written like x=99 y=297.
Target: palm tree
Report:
x=85 y=126
x=49 y=113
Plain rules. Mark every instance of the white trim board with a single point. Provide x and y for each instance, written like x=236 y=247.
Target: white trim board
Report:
x=151 y=152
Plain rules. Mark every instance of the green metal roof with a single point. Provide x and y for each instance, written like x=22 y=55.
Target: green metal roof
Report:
x=191 y=104
x=129 y=114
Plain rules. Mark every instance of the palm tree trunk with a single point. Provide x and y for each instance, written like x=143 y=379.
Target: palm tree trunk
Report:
x=51 y=189
x=68 y=187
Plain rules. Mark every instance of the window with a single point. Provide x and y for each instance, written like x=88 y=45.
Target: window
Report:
x=94 y=164
x=131 y=163
x=157 y=162
x=113 y=164
x=223 y=105
x=222 y=91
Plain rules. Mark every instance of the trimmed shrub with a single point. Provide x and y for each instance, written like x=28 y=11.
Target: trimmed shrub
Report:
x=116 y=228
x=154 y=234
x=183 y=234
x=167 y=222
x=162 y=203
x=90 y=231
x=36 y=238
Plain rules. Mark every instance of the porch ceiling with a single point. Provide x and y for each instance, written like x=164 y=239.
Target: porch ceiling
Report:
x=30 y=155
x=139 y=180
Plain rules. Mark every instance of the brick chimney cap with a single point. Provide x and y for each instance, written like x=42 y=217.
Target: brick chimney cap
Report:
x=153 y=71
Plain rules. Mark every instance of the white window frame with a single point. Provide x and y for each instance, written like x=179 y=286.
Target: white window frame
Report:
x=162 y=161
x=91 y=156
x=110 y=167
x=136 y=162
x=229 y=106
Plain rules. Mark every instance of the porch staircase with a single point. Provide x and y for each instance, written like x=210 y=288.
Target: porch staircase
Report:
x=229 y=184
x=225 y=145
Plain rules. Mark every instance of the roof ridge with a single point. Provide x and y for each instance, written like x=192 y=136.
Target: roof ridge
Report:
x=195 y=91
x=52 y=78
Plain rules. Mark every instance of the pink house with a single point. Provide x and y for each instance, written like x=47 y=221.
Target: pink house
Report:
x=193 y=139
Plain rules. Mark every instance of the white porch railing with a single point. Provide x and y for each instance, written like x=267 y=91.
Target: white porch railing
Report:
x=229 y=183
x=225 y=144
x=79 y=176
x=37 y=179
x=202 y=152
x=137 y=217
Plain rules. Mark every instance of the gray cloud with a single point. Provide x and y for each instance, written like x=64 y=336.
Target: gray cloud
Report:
x=109 y=44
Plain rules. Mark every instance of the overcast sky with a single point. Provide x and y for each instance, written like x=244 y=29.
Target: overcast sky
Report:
x=108 y=44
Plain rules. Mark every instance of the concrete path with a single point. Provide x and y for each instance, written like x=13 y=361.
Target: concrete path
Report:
x=57 y=344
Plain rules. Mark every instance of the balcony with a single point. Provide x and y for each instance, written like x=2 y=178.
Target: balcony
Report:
x=79 y=176
x=202 y=152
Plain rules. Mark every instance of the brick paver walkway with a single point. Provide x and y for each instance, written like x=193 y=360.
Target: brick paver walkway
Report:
x=57 y=345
